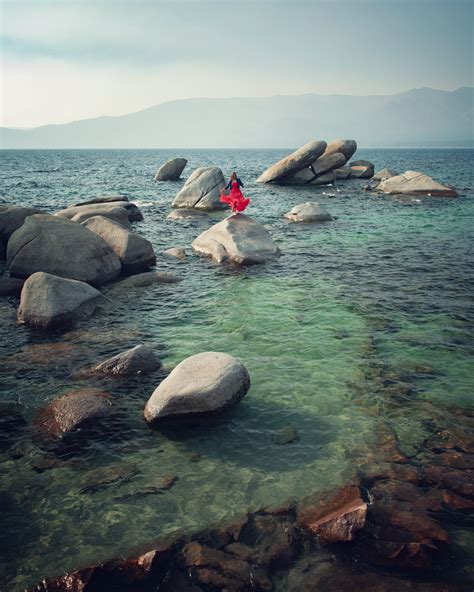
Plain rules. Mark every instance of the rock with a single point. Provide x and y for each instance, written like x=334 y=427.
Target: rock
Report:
x=162 y=484
x=61 y=247
x=372 y=472
x=49 y=302
x=148 y=278
x=334 y=516
x=238 y=239
x=287 y=435
x=326 y=164
x=11 y=218
x=326 y=179
x=103 y=477
x=183 y=213
x=202 y=190
x=134 y=214
x=458 y=481
x=385 y=174
x=103 y=199
x=138 y=360
x=343 y=172
x=73 y=411
x=171 y=170
x=299 y=178
x=308 y=212
x=11 y=286
x=3 y=251
x=345 y=147
x=361 y=169
x=134 y=251
x=415 y=183
x=205 y=383
x=177 y=252
x=119 y=215
x=294 y=162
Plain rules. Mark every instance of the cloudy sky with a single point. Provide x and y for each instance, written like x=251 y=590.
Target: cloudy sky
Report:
x=63 y=60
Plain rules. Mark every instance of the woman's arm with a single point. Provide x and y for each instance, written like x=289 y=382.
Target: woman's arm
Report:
x=229 y=184
x=240 y=183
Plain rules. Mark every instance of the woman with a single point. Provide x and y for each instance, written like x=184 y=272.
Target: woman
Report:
x=236 y=201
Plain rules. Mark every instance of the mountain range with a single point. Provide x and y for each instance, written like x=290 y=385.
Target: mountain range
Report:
x=421 y=117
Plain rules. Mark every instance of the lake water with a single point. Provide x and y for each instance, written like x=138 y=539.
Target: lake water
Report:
x=386 y=287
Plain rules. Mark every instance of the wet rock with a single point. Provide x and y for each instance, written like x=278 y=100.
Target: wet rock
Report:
x=49 y=302
x=118 y=215
x=361 y=169
x=73 y=411
x=206 y=383
x=369 y=473
x=328 y=162
x=45 y=463
x=457 y=481
x=11 y=286
x=325 y=179
x=134 y=213
x=44 y=243
x=149 y=278
x=202 y=190
x=11 y=218
x=103 y=477
x=184 y=214
x=287 y=435
x=103 y=199
x=294 y=162
x=47 y=354
x=238 y=239
x=334 y=516
x=138 y=360
x=385 y=174
x=177 y=252
x=309 y=212
x=171 y=170
x=134 y=251
x=162 y=484
x=415 y=183
x=451 y=458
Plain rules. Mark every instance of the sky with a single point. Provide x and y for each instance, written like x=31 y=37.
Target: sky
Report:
x=65 y=60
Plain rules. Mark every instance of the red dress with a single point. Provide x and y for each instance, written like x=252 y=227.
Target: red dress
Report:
x=236 y=201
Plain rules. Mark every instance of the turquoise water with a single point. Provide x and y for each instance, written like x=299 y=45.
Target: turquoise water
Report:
x=384 y=292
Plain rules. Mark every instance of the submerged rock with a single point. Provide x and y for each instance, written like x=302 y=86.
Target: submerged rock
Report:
x=12 y=217
x=184 y=213
x=205 y=383
x=73 y=411
x=415 y=183
x=287 y=435
x=296 y=161
x=63 y=248
x=134 y=213
x=238 y=239
x=171 y=170
x=134 y=251
x=308 y=212
x=50 y=302
x=11 y=286
x=138 y=360
x=142 y=280
x=202 y=190
x=176 y=252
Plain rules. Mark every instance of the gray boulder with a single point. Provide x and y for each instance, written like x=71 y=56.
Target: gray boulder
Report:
x=385 y=174
x=49 y=302
x=149 y=278
x=237 y=239
x=74 y=411
x=3 y=251
x=328 y=163
x=134 y=251
x=343 y=172
x=308 y=212
x=11 y=286
x=138 y=360
x=171 y=170
x=61 y=247
x=118 y=215
x=206 y=383
x=176 y=252
x=11 y=218
x=415 y=183
x=346 y=147
x=362 y=169
x=325 y=179
x=103 y=199
x=184 y=214
x=299 y=178
x=202 y=190
x=134 y=214
x=297 y=160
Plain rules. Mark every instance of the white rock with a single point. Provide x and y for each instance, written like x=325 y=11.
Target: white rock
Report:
x=237 y=239
x=202 y=190
x=297 y=160
x=308 y=212
x=415 y=183
x=206 y=383
x=171 y=170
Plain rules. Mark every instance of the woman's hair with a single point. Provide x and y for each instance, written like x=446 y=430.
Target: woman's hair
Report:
x=233 y=175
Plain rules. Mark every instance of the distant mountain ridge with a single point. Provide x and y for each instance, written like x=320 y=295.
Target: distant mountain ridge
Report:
x=419 y=117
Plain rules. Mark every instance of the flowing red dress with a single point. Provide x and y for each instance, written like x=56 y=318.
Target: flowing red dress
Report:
x=235 y=200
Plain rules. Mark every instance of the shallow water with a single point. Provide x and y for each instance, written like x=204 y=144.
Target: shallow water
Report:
x=387 y=286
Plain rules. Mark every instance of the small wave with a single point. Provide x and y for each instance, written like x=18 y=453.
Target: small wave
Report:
x=144 y=204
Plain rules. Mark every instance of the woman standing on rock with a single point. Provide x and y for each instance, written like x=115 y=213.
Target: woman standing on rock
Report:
x=236 y=201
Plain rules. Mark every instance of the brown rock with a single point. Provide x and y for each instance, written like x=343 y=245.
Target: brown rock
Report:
x=371 y=472
x=460 y=482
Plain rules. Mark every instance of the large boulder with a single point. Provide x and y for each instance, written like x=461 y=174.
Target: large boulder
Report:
x=343 y=172
x=328 y=163
x=49 y=302
x=308 y=212
x=299 y=178
x=61 y=247
x=346 y=147
x=202 y=190
x=74 y=411
x=171 y=170
x=11 y=218
x=297 y=160
x=119 y=215
x=415 y=183
x=385 y=174
x=237 y=239
x=362 y=169
x=103 y=199
x=134 y=213
x=138 y=360
x=134 y=251
x=206 y=383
